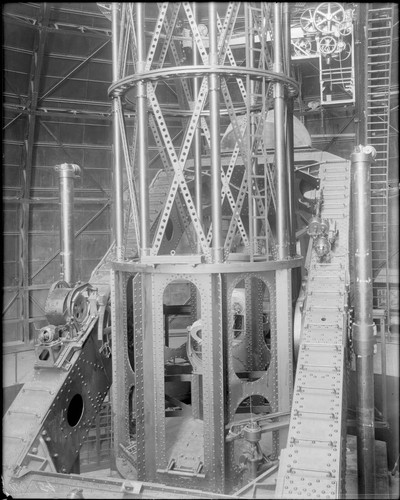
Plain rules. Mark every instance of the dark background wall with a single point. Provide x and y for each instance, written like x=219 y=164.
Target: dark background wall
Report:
x=57 y=69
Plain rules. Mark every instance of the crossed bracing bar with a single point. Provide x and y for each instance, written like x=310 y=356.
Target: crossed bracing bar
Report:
x=252 y=84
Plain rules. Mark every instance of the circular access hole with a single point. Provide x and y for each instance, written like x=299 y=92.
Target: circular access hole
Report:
x=75 y=410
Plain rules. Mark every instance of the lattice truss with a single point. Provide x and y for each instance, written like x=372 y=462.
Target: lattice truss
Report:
x=244 y=69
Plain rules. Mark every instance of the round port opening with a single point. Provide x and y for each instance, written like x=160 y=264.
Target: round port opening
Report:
x=75 y=410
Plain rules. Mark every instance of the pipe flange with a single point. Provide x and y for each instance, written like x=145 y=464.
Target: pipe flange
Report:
x=68 y=170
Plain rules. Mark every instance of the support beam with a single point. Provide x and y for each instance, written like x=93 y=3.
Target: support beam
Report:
x=198 y=188
x=117 y=163
x=54 y=87
x=216 y=185
x=282 y=195
x=97 y=214
x=142 y=136
x=287 y=46
x=61 y=145
x=73 y=71
x=33 y=91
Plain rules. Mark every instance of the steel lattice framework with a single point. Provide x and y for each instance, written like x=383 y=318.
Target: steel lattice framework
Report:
x=217 y=71
x=245 y=78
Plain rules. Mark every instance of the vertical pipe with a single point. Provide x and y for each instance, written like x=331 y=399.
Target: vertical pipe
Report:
x=280 y=152
x=117 y=170
x=142 y=138
x=67 y=174
x=363 y=331
x=214 y=86
x=361 y=71
x=289 y=130
x=382 y=328
x=198 y=188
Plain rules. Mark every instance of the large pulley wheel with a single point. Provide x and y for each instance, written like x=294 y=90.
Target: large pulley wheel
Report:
x=346 y=27
x=327 y=45
x=342 y=52
x=307 y=21
x=328 y=16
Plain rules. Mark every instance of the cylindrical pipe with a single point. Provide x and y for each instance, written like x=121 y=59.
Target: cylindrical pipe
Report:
x=363 y=327
x=198 y=187
x=289 y=131
x=117 y=164
x=142 y=137
x=282 y=226
x=216 y=185
x=361 y=51
x=67 y=174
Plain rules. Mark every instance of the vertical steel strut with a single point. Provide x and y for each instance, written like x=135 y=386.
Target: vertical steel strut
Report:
x=197 y=137
x=216 y=186
x=117 y=165
x=280 y=153
x=141 y=118
x=287 y=46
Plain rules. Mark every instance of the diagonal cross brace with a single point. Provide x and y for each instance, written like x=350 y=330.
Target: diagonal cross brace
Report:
x=178 y=164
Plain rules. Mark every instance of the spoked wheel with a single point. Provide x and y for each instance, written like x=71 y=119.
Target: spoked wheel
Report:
x=328 y=17
x=327 y=45
x=342 y=52
x=307 y=21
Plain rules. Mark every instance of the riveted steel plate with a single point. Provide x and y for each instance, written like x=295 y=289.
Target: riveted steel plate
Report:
x=319 y=335
x=303 y=487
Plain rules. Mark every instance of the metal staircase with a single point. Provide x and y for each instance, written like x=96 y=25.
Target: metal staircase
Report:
x=380 y=31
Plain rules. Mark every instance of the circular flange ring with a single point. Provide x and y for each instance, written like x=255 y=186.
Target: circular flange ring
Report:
x=120 y=87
